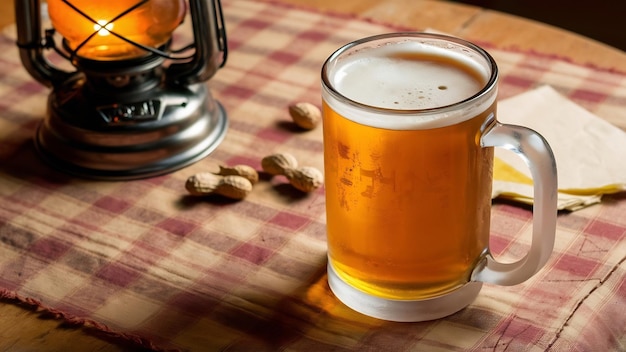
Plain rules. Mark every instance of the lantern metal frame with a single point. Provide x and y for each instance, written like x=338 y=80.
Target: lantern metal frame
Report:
x=131 y=118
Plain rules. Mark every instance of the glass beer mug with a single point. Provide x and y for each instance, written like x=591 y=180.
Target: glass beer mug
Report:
x=409 y=130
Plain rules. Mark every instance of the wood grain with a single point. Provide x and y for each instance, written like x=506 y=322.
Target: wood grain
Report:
x=24 y=330
x=481 y=25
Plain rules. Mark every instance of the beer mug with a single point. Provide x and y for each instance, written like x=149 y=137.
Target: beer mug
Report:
x=409 y=125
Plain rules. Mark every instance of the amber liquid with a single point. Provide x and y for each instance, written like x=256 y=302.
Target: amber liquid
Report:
x=408 y=211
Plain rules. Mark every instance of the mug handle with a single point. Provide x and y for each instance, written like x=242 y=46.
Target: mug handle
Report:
x=536 y=153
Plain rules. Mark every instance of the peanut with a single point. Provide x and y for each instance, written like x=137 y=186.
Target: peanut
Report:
x=276 y=164
x=240 y=170
x=230 y=186
x=305 y=115
x=305 y=179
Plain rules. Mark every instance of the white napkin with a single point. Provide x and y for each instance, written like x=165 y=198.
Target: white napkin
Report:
x=590 y=153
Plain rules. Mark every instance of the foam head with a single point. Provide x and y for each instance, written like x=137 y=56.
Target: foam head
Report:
x=407 y=77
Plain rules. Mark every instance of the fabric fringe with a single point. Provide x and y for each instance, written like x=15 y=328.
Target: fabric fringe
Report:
x=90 y=327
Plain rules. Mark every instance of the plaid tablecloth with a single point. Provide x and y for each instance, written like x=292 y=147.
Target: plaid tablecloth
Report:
x=142 y=261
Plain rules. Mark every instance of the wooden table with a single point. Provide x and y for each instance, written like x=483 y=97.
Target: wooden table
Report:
x=22 y=329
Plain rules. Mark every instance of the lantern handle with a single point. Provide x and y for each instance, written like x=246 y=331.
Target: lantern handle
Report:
x=211 y=50
x=30 y=44
x=220 y=28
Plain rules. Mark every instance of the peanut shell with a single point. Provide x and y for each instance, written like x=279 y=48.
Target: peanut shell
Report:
x=305 y=115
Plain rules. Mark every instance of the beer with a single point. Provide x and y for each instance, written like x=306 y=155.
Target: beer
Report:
x=408 y=185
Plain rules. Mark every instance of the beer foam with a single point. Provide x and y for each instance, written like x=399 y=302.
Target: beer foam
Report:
x=407 y=77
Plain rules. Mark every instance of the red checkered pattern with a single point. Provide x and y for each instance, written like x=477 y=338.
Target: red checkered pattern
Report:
x=142 y=261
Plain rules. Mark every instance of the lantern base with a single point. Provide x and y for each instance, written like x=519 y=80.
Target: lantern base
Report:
x=135 y=138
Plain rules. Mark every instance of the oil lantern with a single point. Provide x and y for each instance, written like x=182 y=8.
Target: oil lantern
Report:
x=130 y=101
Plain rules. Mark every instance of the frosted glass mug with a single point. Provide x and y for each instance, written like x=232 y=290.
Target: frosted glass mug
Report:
x=409 y=130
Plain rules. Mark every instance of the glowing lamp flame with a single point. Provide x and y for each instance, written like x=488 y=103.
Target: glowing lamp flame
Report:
x=103 y=28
